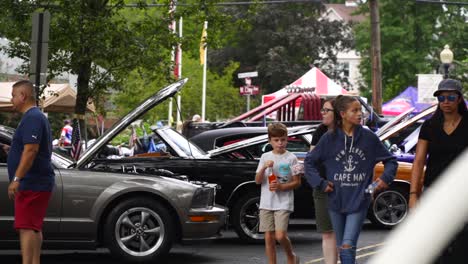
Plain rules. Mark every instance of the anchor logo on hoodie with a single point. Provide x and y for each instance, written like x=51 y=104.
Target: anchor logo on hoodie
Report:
x=348 y=164
x=348 y=158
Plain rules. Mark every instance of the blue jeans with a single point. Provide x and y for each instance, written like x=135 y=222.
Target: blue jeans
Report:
x=347 y=228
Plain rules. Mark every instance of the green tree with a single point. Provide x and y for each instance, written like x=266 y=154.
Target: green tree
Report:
x=92 y=39
x=412 y=36
x=282 y=42
x=223 y=100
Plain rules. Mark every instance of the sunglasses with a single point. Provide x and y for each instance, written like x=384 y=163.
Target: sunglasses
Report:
x=450 y=98
x=325 y=110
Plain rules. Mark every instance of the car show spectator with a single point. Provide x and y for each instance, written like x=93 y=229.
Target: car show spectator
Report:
x=349 y=154
x=322 y=218
x=66 y=134
x=275 y=175
x=30 y=171
x=442 y=139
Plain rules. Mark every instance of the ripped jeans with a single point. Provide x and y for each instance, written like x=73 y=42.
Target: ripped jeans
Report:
x=347 y=228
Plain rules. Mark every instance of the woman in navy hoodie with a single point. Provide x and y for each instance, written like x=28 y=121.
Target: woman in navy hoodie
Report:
x=349 y=154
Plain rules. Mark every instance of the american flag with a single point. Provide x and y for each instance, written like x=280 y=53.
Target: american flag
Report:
x=76 y=140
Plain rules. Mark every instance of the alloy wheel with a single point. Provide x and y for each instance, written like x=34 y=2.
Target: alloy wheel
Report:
x=390 y=207
x=139 y=231
x=250 y=219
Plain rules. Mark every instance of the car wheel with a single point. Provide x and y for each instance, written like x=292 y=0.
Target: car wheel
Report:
x=139 y=230
x=390 y=207
x=245 y=218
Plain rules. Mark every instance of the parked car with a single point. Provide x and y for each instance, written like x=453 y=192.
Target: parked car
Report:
x=135 y=211
x=217 y=138
x=402 y=135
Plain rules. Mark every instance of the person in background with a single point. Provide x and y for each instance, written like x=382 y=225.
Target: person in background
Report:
x=348 y=154
x=30 y=170
x=442 y=139
x=322 y=218
x=66 y=134
x=196 y=118
x=277 y=195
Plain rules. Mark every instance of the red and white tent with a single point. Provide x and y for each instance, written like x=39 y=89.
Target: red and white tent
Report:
x=314 y=80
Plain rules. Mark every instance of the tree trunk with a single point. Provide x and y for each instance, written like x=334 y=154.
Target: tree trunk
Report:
x=84 y=75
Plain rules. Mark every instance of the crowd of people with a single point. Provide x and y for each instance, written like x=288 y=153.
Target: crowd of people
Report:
x=339 y=167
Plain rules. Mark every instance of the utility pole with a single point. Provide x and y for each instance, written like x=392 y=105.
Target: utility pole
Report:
x=375 y=57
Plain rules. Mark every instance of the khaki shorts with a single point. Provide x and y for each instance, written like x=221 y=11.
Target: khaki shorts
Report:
x=322 y=218
x=274 y=220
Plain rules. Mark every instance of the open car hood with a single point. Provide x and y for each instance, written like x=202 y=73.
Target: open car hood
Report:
x=406 y=122
x=133 y=115
x=394 y=121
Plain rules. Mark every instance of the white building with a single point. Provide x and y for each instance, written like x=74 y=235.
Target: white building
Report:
x=349 y=61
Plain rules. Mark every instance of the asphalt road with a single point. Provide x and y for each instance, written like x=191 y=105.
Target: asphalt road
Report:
x=228 y=249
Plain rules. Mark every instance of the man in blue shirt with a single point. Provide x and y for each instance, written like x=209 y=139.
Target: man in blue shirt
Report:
x=30 y=170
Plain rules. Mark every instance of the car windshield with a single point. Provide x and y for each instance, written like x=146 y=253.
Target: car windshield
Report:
x=179 y=142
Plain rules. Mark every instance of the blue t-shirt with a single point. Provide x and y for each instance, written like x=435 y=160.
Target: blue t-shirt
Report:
x=34 y=128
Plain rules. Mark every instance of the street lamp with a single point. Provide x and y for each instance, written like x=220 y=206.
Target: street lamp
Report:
x=446 y=57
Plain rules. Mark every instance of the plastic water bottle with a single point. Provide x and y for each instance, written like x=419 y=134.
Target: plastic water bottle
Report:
x=371 y=188
x=271 y=178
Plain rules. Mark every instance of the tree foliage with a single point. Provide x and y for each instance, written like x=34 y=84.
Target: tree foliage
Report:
x=92 y=39
x=223 y=101
x=412 y=36
x=282 y=42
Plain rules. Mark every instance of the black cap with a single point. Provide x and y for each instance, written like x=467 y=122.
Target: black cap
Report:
x=449 y=85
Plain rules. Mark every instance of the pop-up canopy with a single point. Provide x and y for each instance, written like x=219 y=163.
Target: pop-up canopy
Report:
x=404 y=101
x=57 y=98
x=314 y=80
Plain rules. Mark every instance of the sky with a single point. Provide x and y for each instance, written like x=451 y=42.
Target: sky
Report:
x=9 y=66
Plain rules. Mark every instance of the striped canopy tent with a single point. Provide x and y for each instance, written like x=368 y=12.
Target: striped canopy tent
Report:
x=56 y=98
x=314 y=80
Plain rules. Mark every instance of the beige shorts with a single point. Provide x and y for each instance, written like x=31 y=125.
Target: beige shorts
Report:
x=274 y=220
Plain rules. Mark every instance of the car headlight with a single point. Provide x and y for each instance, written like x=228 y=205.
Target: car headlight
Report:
x=204 y=197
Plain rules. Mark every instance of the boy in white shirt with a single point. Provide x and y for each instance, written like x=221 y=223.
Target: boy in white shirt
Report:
x=277 y=195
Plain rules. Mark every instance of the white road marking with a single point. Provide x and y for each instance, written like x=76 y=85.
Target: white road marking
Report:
x=357 y=257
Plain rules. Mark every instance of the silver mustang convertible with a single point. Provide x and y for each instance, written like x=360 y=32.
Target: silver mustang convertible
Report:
x=136 y=212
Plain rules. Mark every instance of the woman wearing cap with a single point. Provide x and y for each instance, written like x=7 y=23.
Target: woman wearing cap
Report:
x=442 y=137
x=441 y=140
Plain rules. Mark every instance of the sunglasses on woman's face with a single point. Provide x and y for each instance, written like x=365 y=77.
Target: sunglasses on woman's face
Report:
x=325 y=110
x=450 y=98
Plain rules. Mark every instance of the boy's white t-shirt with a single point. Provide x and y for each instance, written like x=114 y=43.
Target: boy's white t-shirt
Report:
x=282 y=168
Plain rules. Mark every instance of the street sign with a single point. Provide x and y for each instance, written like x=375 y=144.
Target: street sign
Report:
x=247 y=75
x=39 y=47
x=249 y=90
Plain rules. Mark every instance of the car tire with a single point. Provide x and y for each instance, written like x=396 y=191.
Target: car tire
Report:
x=390 y=207
x=245 y=218
x=139 y=230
